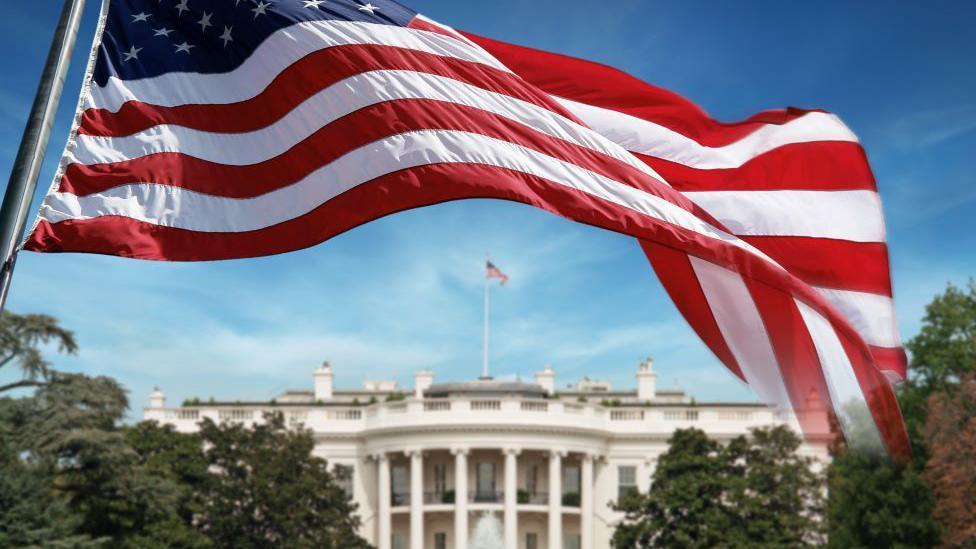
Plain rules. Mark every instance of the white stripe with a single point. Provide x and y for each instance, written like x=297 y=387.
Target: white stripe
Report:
x=845 y=215
x=277 y=52
x=743 y=330
x=181 y=208
x=872 y=315
x=847 y=398
x=330 y=104
x=641 y=136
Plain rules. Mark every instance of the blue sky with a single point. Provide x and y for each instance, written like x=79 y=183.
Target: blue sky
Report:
x=404 y=292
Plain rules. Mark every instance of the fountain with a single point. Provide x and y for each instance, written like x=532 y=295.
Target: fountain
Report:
x=487 y=533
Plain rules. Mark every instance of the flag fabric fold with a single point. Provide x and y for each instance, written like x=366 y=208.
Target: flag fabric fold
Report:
x=217 y=130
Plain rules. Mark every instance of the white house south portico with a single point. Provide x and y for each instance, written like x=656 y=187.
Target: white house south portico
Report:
x=541 y=466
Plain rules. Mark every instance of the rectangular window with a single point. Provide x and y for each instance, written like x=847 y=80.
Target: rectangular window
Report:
x=485 y=488
x=626 y=480
x=572 y=541
x=532 y=479
x=440 y=540
x=401 y=484
x=343 y=475
x=440 y=478
x=571 y=479
x=531 y=540
x=399 y=541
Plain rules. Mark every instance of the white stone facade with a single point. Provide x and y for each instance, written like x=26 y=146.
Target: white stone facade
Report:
x=427 y=463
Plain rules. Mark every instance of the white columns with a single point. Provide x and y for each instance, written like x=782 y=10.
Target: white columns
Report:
x=416 y=499
x=460 y=498
x=556 y=499
x=384 y=517
x=586 y=502
x=511 y=499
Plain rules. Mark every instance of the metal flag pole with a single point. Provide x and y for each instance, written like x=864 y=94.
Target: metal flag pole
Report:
x=33 y=144
x=484 y=364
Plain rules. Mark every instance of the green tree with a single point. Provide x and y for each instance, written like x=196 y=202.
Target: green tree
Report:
x=268 y=490
x=874 y=503
x=31 y=513
x=775 y=495
x=943 y=351
x=755 y=492
x=20 y=339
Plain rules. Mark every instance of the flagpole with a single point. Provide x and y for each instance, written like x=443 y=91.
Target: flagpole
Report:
x=484 y=363
x=33 y=143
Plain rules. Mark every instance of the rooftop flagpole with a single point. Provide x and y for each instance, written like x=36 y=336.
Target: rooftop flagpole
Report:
x=33 y=144
x=484 y=363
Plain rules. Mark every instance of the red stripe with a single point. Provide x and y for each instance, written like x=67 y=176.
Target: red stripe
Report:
x=338 y=138
x=892 y=359
x=814 y=166
x=602 y=86
x=795 y=354
x=405 y=189
x=674 y=269
x=829 y=263
x=882 y=402
x=300 y=81
x=420 y=24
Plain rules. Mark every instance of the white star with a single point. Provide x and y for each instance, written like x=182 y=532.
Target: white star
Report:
x=184 y=47
x=133 y=53
x=142 y=16
x=368 y=7
x=259 y=10
x=204 y=22
x=182 y=6
x=162 y=32
x=226 y=37
x=312 y=3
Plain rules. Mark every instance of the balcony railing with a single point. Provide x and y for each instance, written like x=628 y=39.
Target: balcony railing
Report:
x=453 y=410
x=486 y=497
x=534 y=498
x=438 y=498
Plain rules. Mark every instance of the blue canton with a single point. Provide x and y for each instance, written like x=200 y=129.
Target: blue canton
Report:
x=145 y=38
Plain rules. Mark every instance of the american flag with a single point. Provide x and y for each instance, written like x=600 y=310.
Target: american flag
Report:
x=211 y=129
x=491 y=271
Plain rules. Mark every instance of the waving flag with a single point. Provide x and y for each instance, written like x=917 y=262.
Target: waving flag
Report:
x=209 y=130
x=491 y=271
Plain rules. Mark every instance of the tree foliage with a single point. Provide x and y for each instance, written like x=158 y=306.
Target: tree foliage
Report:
x=21 y=337
x=950 y=432
x=754 y=492
x=874 y=503
x=72 y=476
x=270 y=491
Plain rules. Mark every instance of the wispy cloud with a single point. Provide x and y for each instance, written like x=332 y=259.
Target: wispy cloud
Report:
x=927 y=128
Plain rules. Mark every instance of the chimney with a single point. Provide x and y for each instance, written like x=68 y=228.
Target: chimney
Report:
x=546 y=379
x=157 y=399
x=323 y=382
x=422 y=380
x=646 y=380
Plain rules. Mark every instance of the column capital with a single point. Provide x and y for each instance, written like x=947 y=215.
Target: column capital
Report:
x=411 y=452
x=592 y=455
x=379 y=456
x=558 y=452
x=460 y=450
x=512 y=450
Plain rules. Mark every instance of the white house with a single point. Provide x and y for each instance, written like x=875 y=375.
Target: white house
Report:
x=528 y=464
